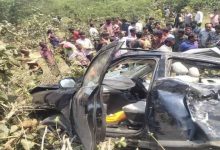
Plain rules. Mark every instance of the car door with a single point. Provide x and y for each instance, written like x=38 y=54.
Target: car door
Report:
x=87 y=110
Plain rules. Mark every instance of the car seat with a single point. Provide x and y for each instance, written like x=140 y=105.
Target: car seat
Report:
x=135 y=112
x=184 y=74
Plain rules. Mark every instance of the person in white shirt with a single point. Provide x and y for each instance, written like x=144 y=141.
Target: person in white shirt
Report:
x=93 y=32
x=167 y=46
x=198 y=16
x=132 y=26
x=167 y=12
x=139 y=26
x=86 y=44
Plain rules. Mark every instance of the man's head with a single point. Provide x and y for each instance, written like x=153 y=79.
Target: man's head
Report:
x=71 y=30
x=169 y=42
x=91 y=25
x=180 y=32
x=139 y=35
x=166 y=31
x=188 y=30
x=145 y=30
x=105 y=35
x=151 y=20
x=217 y=29
x=133 y=23
x=82 y=35
x=108 y=21
x=157 y=25
x=123 y=20
x=133 y=32
x=157 y=35
x=208 y=26
x=192 y=37
x=49 y=31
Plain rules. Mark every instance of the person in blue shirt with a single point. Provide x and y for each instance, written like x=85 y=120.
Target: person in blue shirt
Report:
x=190 y=43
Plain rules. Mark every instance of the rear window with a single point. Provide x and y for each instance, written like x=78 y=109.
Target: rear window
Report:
x=195 y=71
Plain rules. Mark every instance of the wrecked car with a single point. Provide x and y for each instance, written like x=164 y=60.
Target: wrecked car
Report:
x=154 y=99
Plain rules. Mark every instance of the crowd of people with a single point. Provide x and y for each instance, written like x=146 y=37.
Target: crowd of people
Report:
x=184 y=34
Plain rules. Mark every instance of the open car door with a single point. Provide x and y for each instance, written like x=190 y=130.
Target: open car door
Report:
x=87 y=113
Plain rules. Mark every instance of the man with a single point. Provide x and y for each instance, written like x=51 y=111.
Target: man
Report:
x=124 y=26
x=46 y=53
x=203 y=35
x=54 y=41
x=167 y=46
x=157 y=26
x=94 y=34
x=150 y=24
x=157 y=39
x=215 y=18
x=75 y=34
x=132 y=26
x=139 y=26
x=104 y=40
x=196 y=28
x=188 y=18
x=198 y=16
x=68 y=47
x=167 y=34
x=188 y=31
x=190 y=43
x=108 y=27
x=86 y=43
x=138 y=43
x=132 y=36
x=79 y=55
x=180 y=37
x=214 y=38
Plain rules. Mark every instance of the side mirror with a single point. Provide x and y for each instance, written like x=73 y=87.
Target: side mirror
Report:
x=67 y=83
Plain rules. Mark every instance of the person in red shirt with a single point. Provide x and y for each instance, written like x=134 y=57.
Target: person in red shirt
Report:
x=75 y=34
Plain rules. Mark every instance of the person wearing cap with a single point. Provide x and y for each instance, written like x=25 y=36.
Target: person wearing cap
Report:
x=168 y=44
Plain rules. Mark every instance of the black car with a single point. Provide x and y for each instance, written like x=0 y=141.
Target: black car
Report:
x=154 y=99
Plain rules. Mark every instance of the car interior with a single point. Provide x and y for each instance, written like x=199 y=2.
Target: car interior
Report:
x=124 y=92
x=195 y=72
